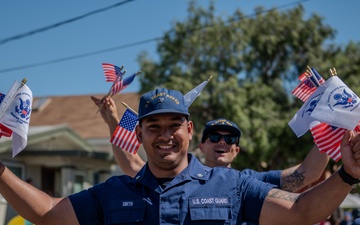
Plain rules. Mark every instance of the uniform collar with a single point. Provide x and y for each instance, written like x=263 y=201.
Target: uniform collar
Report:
x=195 y=170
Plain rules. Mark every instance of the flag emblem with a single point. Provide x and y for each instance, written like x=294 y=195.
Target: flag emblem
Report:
x=24 y=108
x=345 y=99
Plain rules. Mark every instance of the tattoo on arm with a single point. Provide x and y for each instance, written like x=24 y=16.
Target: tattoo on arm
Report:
x=291 y=197
x=292 y=180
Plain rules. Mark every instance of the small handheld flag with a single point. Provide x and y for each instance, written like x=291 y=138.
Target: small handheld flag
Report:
x=15 y=112
x=114 y=74
x=124 y=135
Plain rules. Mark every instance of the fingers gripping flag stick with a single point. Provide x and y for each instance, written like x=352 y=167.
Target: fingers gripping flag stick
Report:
x=124 y=135
x=15 y=111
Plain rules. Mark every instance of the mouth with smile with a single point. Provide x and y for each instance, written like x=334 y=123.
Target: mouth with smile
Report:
x=221 y=150
x=165 y=147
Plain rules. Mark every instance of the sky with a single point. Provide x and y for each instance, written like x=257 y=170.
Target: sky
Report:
x=113 y=36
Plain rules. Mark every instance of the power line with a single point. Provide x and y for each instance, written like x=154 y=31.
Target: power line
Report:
x=43 y=29
x=126 y=45
x=79 y=56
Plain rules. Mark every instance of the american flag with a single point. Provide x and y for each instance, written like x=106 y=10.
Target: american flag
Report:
x=328 y=139
x=120 y=85
x=4 y=131
x=306 y=88
x=124 y=135
x=112 y=72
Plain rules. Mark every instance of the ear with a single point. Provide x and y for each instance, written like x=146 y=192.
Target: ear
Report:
x=201 y=147
x=139 y=133
x=190 y=129
x=237 y=150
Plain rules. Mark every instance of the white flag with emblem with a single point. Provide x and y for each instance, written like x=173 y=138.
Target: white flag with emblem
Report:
x=338 y=106
x=16 y=111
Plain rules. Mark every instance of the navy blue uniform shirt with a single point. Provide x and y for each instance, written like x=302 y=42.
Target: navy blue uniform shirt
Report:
x=198 y=195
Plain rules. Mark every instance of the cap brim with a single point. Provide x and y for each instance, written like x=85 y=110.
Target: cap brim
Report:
x=231 y=129
x=162 y=111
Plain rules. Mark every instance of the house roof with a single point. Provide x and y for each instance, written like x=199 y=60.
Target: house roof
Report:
x=78 y=112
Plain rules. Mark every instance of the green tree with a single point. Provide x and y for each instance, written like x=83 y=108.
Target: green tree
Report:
x=255 y=63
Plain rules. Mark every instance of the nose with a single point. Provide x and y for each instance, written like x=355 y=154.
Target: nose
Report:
x=222 y=141
x=166 y=134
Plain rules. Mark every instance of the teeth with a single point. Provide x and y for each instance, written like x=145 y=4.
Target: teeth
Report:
x=165 y=146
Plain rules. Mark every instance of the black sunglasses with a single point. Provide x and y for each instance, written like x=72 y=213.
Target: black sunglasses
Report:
x=229 y=139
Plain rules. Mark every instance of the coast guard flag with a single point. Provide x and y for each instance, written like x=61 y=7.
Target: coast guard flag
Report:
x=338 y=106
x=124 y=135
x=15 y=114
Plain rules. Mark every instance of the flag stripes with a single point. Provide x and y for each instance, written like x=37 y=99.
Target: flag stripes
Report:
x=124 y=135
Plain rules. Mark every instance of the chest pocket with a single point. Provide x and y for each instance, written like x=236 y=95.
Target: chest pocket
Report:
x=126 y=211
x=210 y=209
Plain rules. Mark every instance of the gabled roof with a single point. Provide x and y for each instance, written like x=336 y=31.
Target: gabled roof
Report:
x=78 y=112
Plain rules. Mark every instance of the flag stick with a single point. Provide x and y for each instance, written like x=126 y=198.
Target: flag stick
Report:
x=317 y=84
x=23 y=82
x=127 y=106
x=333 y=72
x=10 y=96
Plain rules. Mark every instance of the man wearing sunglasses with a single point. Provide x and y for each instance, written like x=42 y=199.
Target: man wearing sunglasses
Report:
x=220 y=145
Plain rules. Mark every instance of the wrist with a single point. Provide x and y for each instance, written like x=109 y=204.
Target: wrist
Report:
x=347 y=178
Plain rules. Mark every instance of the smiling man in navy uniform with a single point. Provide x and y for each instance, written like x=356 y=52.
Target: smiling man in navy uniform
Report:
x=175 y=188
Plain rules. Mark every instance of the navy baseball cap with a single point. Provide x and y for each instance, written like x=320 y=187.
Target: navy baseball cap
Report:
x=162 y=100
x=220 y=124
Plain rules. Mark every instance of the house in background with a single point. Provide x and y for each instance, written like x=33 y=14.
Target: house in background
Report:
x=68 y=146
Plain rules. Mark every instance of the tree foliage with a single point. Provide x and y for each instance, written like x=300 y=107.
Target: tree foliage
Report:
x=255 y=63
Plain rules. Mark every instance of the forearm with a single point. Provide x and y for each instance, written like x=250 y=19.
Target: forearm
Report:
x=316 y=203
x=23 y=197
x=306 y=173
